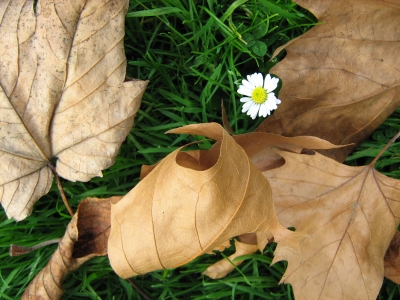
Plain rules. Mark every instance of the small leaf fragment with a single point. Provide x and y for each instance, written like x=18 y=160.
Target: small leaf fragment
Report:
x=86 y=237
x=392 y=260
x=221 y=268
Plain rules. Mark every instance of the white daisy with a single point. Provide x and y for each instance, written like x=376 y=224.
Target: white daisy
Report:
x=260 y=98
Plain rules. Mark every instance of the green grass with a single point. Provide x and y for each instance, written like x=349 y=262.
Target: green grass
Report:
x=194 y=53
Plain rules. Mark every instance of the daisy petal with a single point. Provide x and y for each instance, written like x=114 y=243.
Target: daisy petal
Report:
x=258 y=78
x=248 y=84
x=270 y=84
x=263 y=110
x=244 y=90
x=254 y=110
x=247 y=106
x=251 y=80
x=246 y=99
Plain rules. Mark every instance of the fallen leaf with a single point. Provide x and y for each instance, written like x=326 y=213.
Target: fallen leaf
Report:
x=392 y=260
x=62 y=94
x=260 y=147
x=221 y=268
x=345 y=218
x=341 y=78
x=189 y=205
x=86 y=237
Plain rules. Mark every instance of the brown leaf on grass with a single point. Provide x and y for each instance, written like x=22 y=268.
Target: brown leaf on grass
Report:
x=341 y=78
x=62 y=94
x=345 y=218
x=223 y=267
x=86 y=237
x=189 y=204
x=392 y=260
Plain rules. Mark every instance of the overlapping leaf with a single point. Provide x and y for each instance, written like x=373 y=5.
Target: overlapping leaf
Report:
x=341 y=78
x=348 y=216
x=392 y=260
x=62 y=94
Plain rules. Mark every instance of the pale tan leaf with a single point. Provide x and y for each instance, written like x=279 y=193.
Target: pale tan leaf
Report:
x=221 y=268
x=86 y=237
x=345 y=218
x=62 y=94
x=340 y=80
x=188 y=205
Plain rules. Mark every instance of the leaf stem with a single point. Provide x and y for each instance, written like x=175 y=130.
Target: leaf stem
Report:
x=384 y=149
x=137 y=288
x=16 y=250
x=60 y=188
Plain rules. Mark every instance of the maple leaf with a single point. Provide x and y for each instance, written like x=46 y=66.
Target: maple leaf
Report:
x=345 y=218
x=342 y=76
x=86 y=237
x=61 y=95
x=189 y=204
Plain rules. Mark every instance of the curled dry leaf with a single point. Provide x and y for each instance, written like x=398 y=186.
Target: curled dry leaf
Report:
x=259 y=148
x=62 y=94
x=341 y=78
x=345 y=218
x=189 y=204
x=392 y=260
x=86 y=237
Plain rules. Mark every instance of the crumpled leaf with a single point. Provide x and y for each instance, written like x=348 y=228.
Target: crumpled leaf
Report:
x=86 y=237
x=221 y=268
x=259 y=148
x=345 y=218
x=392 y=260
x=342 y=75
x=61 y=95
x=186 y=206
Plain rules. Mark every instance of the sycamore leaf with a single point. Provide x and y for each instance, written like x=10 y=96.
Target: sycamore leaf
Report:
x=86 y=237
x=190 y=204
x=342 y=75
x=392 y=260
x=62 y=94
x=345 y=218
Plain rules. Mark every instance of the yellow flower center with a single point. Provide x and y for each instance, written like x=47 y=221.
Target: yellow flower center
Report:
x=259 y=95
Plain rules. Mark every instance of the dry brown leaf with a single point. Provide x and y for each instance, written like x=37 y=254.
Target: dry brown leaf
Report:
x=86 y=237
x=187 y=206
x=260 y=146
x=392 y=260
x=345 y=218
x=341 y=78
x=224 y=266
x=62 y=94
